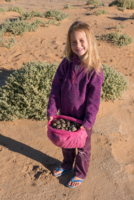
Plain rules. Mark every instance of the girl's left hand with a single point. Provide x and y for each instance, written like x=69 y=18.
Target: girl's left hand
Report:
x=82 y=127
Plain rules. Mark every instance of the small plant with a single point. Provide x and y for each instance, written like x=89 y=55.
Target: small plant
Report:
x=122 y=9
x=19 y=27
x=33 y=13
x=96 y=3
x=2 y=10
x=129 y=4
x=99 y=12
x=27 y=91
x=117 y=39
x=16 y=9
x=68 y=6
x=7 y=42
x=118 y=27
x=122 y=26
x=132 y=17
x=55 y=14
x=8 y=0
x=114 y=84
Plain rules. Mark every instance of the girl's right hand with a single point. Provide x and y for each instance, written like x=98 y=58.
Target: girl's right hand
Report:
x=50 y=118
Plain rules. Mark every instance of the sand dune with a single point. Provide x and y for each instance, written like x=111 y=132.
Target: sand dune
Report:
x=27 y=155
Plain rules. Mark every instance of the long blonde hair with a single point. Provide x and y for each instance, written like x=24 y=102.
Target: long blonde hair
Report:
x=91 y=57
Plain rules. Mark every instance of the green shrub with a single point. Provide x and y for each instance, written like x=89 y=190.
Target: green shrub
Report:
x=95 y=3
x=8 y=0
x=2 y=10
x=16 y=9
x=7 y=42
x=56 y=14
x=114 y=84
x=19 y=27
x=68 y=6
x=33 y=13
x=119 y=26
x=122 y=9
x=129 y=4
x=122 y=26
x=27 y=90
x=117 y=39
x=99 y=12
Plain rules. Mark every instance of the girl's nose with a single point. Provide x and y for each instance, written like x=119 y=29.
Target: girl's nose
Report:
x=78 y=44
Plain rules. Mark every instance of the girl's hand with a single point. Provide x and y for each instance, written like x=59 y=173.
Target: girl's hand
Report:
x=82 y=127
x=50 y=118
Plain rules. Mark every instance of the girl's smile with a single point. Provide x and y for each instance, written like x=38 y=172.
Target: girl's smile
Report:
x=79 y=43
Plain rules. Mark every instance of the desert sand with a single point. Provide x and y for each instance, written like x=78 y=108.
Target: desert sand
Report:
x=27 y=156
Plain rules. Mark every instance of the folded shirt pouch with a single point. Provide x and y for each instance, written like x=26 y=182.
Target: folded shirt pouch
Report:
x=66 y=135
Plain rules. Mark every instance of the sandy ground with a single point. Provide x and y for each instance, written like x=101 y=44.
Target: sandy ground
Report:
x=26 y=154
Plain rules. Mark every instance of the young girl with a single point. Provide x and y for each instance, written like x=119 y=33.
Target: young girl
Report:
x=76 y=92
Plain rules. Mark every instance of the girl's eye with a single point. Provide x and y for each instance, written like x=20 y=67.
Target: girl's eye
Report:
x=73 y=42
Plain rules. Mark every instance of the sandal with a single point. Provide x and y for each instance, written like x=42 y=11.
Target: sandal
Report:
x=75 y=181
x=63 y=171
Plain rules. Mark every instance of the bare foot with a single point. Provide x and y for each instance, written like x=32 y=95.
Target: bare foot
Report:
x=57 y=172
x=75 y=184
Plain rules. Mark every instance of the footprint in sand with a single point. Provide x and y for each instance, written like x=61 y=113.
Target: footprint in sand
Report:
x=36 y=172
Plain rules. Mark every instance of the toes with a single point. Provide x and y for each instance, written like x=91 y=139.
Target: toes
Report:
x=70 y=183
x=73 y=184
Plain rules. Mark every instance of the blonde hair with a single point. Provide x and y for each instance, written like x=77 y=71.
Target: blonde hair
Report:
x=91 y=57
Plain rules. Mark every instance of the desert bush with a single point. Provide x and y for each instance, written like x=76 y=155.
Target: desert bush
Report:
x=16 y=9
x=7 y=42
x=99 y=12
x=27 y=90
x=56 y=14
x=2 y=10
x=119 y=26
x=129 y=4
x=117 y=39
x=95 y=3
x=122 y=26
x=8 y=0
x=33 y=13
x=122 y=9
x=114 y=84
x=68 y=6
x=19 y=27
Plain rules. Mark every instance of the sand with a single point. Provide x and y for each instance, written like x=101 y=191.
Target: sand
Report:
x=27 y=156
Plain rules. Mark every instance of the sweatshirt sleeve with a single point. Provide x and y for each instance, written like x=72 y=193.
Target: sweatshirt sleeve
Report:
x=55 y=94
x=93 y=99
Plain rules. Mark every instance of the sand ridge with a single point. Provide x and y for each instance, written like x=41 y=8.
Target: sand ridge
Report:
x=27 y=155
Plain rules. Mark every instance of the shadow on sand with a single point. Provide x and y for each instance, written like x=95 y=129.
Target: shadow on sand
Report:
x=29 y=152
x=49 y=162
x=4 y=73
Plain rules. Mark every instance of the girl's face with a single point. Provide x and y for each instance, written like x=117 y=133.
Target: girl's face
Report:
x=79 y=43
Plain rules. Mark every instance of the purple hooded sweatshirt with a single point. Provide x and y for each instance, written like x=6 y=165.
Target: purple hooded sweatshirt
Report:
x=75 y=94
